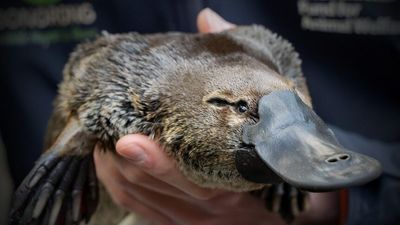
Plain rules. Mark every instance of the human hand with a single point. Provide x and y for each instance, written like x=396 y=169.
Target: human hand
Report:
x=152 y=186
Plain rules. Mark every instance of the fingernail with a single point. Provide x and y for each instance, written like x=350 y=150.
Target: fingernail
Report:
x=134 y=153
x=215 y=22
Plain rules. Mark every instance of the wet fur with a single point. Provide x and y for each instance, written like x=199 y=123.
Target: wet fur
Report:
x=192 y=93
x=158 y=85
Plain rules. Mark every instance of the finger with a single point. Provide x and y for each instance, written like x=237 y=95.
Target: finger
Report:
x=132 y=204
x=209 y=21
x=150 y=158
x=132 y=174
x=180 y=211
x=187 y=212
x=117 y=186
x=231 y=202
x=177 y=210
x=138 y=177
x=254 y=219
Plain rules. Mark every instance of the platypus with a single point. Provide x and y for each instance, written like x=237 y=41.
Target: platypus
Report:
x=231 y=108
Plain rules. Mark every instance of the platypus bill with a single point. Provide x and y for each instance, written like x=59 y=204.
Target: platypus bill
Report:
x=232 y=109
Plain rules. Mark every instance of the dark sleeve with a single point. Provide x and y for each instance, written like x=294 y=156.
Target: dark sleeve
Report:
x=5 y=185
x=28 y=84
x=377 y=202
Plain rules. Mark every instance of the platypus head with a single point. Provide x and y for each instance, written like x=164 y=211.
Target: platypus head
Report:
x=238 y=120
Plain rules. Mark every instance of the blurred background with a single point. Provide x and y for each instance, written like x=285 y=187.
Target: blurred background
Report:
x=6 y=185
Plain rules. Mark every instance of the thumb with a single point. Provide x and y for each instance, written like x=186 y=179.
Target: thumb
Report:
x=143 y=152
x=151 y=159
x=209 y=21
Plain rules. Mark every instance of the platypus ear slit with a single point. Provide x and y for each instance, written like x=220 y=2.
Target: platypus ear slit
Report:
x=54 y=183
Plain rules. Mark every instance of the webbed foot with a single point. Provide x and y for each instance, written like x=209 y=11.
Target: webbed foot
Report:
x=58 y=188
x=284 y=199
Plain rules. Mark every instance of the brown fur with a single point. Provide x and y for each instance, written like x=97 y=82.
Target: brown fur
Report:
x=163 y=85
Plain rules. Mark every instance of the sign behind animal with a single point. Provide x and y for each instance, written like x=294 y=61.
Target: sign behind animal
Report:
x=232 y=109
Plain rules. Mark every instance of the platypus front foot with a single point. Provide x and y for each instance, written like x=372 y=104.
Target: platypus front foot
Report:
x=57 y=184
x=284 y=199
x=62 y=187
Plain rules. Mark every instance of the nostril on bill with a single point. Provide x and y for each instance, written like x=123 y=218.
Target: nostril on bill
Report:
x=344 y=157
x=338 y=158
x=332 y=160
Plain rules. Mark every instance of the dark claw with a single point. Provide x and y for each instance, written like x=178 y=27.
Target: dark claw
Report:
x=93 y=188
x=69 y=177
x=277 y=198
x=37 y=176
x=284 y=199
x=57 y=172
x=44 y=166
x=27 y=212
x=45 y=163
x=77 y=190
x=64 y=186
x=303 y=200
x=45 y=193
x=69 y=214
x=48 y=188
x=21 y=197
x=53 y=192
x=76 y=206
x=45 y=218
x=294 y=202
x=57 y=205
x=285 y=208
x=266 y=195
x=294 y=205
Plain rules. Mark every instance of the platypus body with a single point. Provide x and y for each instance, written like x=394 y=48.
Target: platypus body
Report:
x=232 y=109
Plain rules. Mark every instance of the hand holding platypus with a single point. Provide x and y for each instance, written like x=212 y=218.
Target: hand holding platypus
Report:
x=201 y=97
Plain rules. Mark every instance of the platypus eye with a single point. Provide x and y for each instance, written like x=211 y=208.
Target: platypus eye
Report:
x=220 y=102
x=242 y=106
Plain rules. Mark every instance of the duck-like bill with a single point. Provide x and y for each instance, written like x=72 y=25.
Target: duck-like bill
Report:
x=293 y=145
